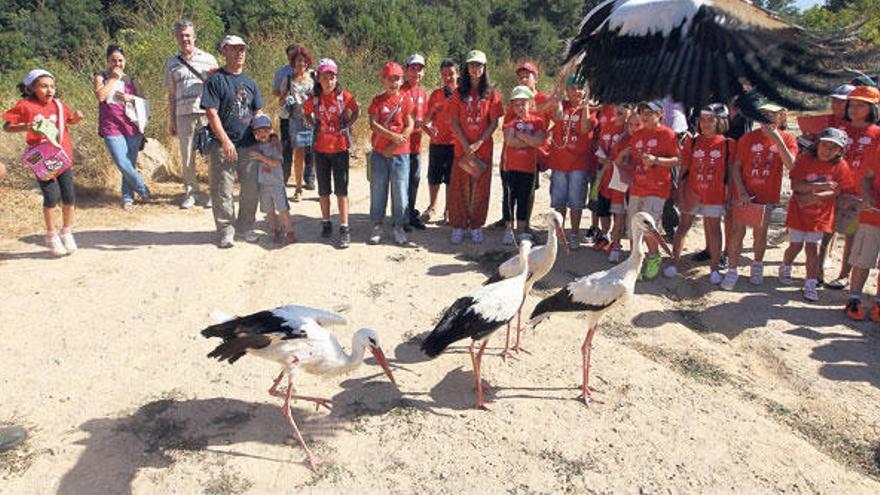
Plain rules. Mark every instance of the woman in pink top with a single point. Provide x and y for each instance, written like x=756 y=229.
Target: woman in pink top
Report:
x=113 y=89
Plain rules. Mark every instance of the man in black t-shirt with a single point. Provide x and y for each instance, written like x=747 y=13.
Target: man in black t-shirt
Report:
x=231 y=100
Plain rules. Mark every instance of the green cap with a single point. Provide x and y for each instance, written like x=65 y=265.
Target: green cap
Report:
x=475 y=56
x=522 y=93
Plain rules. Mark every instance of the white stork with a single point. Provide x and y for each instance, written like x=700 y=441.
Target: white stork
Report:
x=541 y=261
x=295 y=338
x=478 y=314
x=599 y=292
x=702 y=51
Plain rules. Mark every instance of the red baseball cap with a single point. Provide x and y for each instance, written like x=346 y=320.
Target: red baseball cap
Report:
x=529 y=67
x=392 y=69
x=868 y=94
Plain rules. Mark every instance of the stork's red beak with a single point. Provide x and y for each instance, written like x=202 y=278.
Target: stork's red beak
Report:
x=380 y=357
x=563 y=239
x=660 y=241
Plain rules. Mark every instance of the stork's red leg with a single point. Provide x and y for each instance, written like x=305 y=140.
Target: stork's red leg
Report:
x=586 y=350
x=506 y=352
x=319 y=401
x=289 y=415
x=481 y=404
x=273 y=390
x=516 y=346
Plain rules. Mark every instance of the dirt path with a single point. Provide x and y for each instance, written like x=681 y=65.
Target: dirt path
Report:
x=752 y=391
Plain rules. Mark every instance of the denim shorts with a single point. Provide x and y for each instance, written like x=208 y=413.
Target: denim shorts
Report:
x=273 y=198
x=707 y=211
x=568 y=189
x=799 y=236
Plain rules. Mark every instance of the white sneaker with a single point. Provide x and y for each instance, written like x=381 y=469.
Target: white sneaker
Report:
x=477 y=236
x=376 y=234
x=400 y=236
x=508 y=238
x=457 y=236
x=670 y=271
x=209 y=203
x=68 y=241
x=785 y=274
x=614 y=256
x=729 y=281
x=227 y=240
x=56 y=247
x=715 y=278
x=525 y=236
x=810 y=292
x=251 y=236
x=574 y=242
x=188 y=202
x=756 y=277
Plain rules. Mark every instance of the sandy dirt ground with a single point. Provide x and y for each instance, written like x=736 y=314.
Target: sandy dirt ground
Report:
x=753 y=391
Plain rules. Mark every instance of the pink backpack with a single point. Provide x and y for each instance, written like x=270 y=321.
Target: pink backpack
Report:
x=46 y=160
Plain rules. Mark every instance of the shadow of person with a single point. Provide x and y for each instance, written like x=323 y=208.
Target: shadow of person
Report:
x=117 y=448
x=848 y=357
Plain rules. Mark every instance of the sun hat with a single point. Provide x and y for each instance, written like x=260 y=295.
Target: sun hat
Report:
x=475 y=56
x=868 y=94
x=717 y=109
x=833 y=135
x=261 y=122
x=415 y=59
x=232 y=40
x=529 y=67
x=521 y=93
x=392 y=69
x=327 y=65
x=35 y=74
x=841 y=92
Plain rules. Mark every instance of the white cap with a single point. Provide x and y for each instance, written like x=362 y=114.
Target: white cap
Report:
x=34 y=75
x=415 y=59
x=232 y=40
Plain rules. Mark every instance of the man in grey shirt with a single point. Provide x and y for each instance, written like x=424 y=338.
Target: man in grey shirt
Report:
x=185 y=74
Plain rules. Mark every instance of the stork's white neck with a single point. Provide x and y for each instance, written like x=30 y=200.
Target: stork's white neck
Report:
x=636 y=255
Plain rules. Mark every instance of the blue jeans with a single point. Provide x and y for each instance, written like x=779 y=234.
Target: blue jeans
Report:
x=393 y=170
x=124 y=151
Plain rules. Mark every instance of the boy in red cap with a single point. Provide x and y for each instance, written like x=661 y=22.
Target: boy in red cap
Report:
x=391 y=119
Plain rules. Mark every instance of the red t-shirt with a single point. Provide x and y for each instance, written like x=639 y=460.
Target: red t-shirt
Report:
x=441 y=109
x=811 y=125
x=473 y=114
x=762 y=166
x=25 y=110
x=569 y=147
x=654 y=180
x=609 y=136
x=390 y=111
x=819 y=216
x=706 y=160
x=524 y=159
x=872 y=217
x=418 y=99
x=330 y=138
x=860 y=144
x=606 y=115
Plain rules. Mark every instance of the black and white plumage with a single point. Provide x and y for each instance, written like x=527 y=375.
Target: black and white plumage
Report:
x=478 y=314
x=541 y=261
x=295 y=338
x=702 y=51
x=598 y=293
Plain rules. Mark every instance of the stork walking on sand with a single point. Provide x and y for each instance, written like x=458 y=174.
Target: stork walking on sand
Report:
x=599 y=292
x=295 y=338
x=478 y=314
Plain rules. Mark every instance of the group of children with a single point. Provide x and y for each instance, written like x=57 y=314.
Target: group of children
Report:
x=614 y=160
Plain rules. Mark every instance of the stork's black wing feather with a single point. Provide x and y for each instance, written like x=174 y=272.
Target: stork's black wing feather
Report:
x=259 y=323
x=562 y=301
x=458 y=323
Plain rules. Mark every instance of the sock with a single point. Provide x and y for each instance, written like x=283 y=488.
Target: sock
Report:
x=855 y=294
x=50 y=233
x=65 y=230
x=343 y=225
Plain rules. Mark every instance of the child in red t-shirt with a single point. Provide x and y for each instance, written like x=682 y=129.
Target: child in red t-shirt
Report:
x=866 y=244
x=816 y=180
x=438 y=125
x=332 y=111
x=415 y=71
x=524 y=133
x=572 y=141
x=391 y=119
x=756 y=178
x=654 y=149
x=39 y=104
x=704 y=163
x=611 y=143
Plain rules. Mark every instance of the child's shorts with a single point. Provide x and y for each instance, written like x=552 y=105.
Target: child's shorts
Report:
x=568 y=189
x=798 y=236
x=707 y=211
x=652 y=205
x=273 y=198
x=866 y=247
x=618 y=208
x=601 y=206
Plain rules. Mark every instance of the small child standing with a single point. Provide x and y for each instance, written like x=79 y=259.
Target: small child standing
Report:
x=866 y=244
x=816 y=179
x=38 y=107
x=273 y=198
x=612 y=203
x=523 y=135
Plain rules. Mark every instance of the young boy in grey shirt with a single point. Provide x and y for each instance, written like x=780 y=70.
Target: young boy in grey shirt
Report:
x=273 y=197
